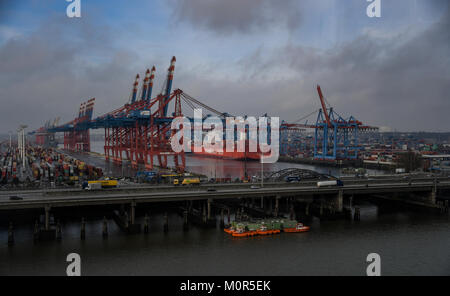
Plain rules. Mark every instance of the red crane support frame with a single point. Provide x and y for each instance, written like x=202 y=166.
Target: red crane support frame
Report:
x=148 y=137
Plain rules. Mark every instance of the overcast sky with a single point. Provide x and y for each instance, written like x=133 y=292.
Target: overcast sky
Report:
x=239 y=56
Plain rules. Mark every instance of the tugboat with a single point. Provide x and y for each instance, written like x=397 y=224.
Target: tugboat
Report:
x=298 y=228
x=229 y=230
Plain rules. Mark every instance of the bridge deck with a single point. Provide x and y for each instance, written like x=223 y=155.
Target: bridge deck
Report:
x=36 y=199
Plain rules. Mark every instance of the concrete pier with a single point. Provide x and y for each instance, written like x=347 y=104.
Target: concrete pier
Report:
x=209 y=208
x=277 y=205
x=166 y=222
x=125 y=222
x=185 y=221
x=146 y=223
x=204 y=214
x=105 y=228
x=10 y=234
x=357 y=216
x=36 y=231
x=58 y=231
x=222 y=218
x=339 y=205
x=83 y=229
x=47 y=218
x=198 y=216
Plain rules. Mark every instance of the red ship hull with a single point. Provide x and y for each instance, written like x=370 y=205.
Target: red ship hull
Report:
x=231 y=155
x=236 y=155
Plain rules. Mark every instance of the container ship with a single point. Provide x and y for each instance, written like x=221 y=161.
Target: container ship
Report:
x=223 y=154
x=236 y=155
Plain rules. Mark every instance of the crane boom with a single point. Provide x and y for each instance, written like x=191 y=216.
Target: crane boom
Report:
x=169 y=83
x=324 y=107
x=150 y=84
x=135 y=88
x=145 y=85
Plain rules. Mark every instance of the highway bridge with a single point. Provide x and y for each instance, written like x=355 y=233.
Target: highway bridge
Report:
x=420 y=191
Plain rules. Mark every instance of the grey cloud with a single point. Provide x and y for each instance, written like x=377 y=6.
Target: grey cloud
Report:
x=49 y=73
x=244 y=16
x=402 y=81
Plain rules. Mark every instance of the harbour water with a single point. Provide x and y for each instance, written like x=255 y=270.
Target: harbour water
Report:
x=210 y=166
x=409 y=243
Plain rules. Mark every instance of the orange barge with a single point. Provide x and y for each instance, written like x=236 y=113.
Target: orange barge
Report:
x=299 y=228
x=242 y=233
x=264 y=231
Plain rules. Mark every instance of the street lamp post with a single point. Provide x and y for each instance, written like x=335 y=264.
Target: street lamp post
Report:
x=262 y=172
x=21 y=141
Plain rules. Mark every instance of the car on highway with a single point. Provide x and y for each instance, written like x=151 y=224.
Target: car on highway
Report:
x=254 y=187
x=211 y=190
x=292 y=179
x=15 y=198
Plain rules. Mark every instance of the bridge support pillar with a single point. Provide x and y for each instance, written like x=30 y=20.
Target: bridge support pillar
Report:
x=277 y=205
x=357 y=216
x=185 y=223
x=58 y=231
x=10 y=234
x=204 y=213
x=262 y=202
x=126 y=219
x=83 y=229
x=132 y=212
x=105 y=227
x=47 y=218
x=222 y=218
x=432 y=197
x=340 y=201
x=209 y=208
x=36 y=231
x=166 y=222
x=146 y=227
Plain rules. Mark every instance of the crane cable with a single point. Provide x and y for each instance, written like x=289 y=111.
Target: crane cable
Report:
x=192 y=100
x=304 y=117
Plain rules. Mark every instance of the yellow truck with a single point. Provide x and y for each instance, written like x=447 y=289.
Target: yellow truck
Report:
x=187 y=181
x=100 y=184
